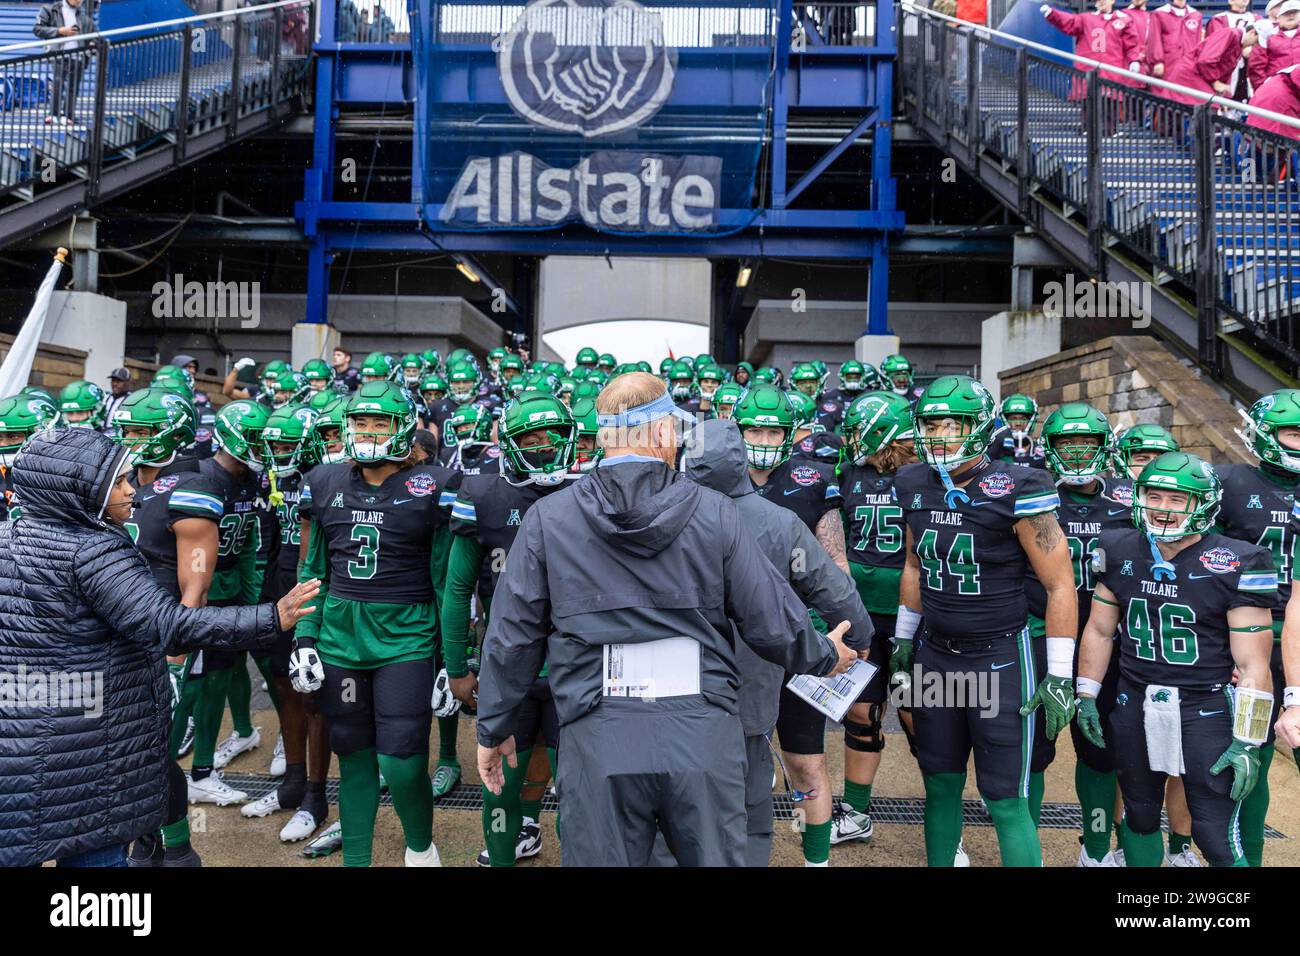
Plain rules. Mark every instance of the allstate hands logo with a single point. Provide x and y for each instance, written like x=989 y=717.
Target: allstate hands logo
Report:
x=593 y=67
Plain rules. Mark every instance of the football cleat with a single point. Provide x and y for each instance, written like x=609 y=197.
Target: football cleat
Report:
x=1186 y=857
x=1108 y=860
x=961 y=860
x=528 y=843
x=187 y=742
x=445 y=779
x=263 y=806
x=326 y=843
x=427 y=857
x=234 y=745
x=212 y=789
x=278 y=765
x=849 y=824
x=302 y=825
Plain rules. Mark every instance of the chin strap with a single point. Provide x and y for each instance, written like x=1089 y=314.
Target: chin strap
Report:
x=1163 y=570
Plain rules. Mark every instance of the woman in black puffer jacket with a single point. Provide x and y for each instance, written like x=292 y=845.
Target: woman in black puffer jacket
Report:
x=82 y=778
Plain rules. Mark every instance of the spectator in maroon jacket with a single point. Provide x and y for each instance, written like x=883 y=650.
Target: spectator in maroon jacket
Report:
x=1210 y=66
x=1279 y=47
x=1280 y=93
x=1180 y=33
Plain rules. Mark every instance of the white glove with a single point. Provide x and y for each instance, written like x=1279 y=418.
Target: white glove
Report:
x=444 y=701
x=1135 y=67
x=243 y=363
x=306 y=672
x=1044 y=9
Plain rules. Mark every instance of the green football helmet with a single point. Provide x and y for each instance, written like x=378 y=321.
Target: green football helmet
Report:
x=319 y=374
x=681 y=382
x=385 y=400
x=597 y=375
x=1023 y=406
x=587 y=389
x=433 y=388
x=1070 y=461
x=319 y=401
x=710 y=379
x=21 y=417
x=544 y=381
x=494 y=358
x=328 y=418
x=411 y=368
x=1137 y=440
x=806 y=379
x=172 y=370
x=168 y=418
x=1263 y=423
x=666 y=366
x=962 y=400
x=725 y=398
x=766 y=376
x=805 y=412
x=606 y=362
x=643 y=366
x=853 y=377
x=564 y=391
x=269 y=371
x=587 y=357
x=897 y=372
x=584 y=416
x=288 y=387
x=378 y=367
x=1177 y=471
x=86 y=401
x=873 y=380
x=765 y=406
x=874 y=420
x=432 y=360
x=288 y=424
x=512 y=367
x=238 y=431
x=456 y=356
x=36 y=391
x=544 y=464
x=173 y=381
x=463 y=382
x=471 y=423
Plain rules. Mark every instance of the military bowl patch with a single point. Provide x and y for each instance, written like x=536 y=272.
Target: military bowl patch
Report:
x=828 y=406
x=421 y=485
x=1220 y=560
x=997 y=485
x=805 y=475
x=493 y=451
x=202 y=434
x=165 y=484
x=1122 y=495
x=806 y=444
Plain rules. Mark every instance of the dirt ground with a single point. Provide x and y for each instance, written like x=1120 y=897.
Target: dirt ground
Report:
x=224 y=838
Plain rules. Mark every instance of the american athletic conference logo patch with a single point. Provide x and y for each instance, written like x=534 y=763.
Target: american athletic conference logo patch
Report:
x=421 y=485
x=805 y=476
x=1220 y=560
x=997 y=485
x=165 y=484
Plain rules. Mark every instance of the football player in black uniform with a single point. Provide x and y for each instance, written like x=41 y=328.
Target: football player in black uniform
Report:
x=1138 y=446
x=379 y=538
x=1078 y=441
x=973 y=529
x=1256 y=507
x=1189 y=604
x=811 y=490
x=1014 y=442
x=539 y=440
x=1288 y=722
x=877 y=442
x=21 y=417
x=828 y=412
x=175 y=525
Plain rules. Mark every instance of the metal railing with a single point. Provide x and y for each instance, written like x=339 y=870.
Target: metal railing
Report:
x=835 y=24
x=1206 y=202
x=73 y=107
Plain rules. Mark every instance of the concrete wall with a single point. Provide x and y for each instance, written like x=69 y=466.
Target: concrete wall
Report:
x=1135 y=379
x=1011 y=339
x=95 y=324
x=54 y=367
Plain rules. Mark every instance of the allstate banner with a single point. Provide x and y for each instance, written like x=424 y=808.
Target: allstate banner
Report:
x=603 y=113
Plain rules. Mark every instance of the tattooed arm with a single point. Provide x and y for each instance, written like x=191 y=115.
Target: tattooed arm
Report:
x=1049 y=556
x=830 y=533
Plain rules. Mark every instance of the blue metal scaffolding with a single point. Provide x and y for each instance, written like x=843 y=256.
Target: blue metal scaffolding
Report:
x=825 y=61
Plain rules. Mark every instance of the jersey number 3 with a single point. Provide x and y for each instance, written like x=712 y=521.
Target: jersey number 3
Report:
x=367 y=560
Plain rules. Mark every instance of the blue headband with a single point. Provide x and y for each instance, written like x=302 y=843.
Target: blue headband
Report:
x=642 y=414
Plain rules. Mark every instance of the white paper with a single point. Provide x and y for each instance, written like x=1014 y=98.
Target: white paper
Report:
x=654 y=669
x=833 y=696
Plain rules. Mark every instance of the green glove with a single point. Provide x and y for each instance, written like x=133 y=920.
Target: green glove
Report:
x=1056 y=696
x=1089 y=721
x=176 y=674
x=900 y=658
x=1243 y=758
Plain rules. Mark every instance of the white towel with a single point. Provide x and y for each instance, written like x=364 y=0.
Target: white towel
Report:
x=1162 y=721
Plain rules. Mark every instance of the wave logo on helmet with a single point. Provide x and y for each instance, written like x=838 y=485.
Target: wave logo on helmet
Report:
x=805 y=475
x=592 y=67
x=997 y=485
x=165 y=484
x=1220 y=560
x=421 y=485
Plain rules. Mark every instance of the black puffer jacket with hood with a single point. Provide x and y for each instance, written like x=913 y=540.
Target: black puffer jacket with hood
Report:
x=716 y=459
x=78 y=604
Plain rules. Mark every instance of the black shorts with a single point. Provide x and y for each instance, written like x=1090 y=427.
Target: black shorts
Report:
x=877 y=689
x=536 y=714
x=1279 y=685
x=800 y=727
x=1207 y=733
x=388 y=709
x=969 y=699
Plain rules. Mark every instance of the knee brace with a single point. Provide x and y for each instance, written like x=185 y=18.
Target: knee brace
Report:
x=866 y=738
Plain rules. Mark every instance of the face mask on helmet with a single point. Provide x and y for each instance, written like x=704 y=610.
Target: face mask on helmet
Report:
x=11 y=443
x=852 y=383
x=462 y=391
x=947 y=441
x=368 y=446
x=411 y=377
x=708 y=386
x=681 y=389
x=1076 y=461
x=1173 y=516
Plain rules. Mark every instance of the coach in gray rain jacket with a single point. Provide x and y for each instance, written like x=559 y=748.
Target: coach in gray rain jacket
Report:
x=715 y=457
x=633 y=553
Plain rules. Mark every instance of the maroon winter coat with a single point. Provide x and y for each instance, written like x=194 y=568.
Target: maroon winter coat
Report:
x=1179 y=35
x=1275 y=52
x=1280 y=93
x=1212 y=62
x=1108 y=39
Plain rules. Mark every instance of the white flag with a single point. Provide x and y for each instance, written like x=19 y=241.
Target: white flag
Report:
x=17 y=367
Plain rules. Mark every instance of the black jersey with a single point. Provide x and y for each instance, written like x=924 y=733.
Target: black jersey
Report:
x=439 y=412
x=972 y=565
x=179 y=491
x=819 y=446
x=379 y=539
x=808 y=488
x=283 y=574
x=1083 y=518
x=1002 y=447
x=8 y=503
x=1175 y=631
x=872 y=516
x=240 y=513
x=490 y=510
x=1257 y=508
x=485 y=460
x=830 y=413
